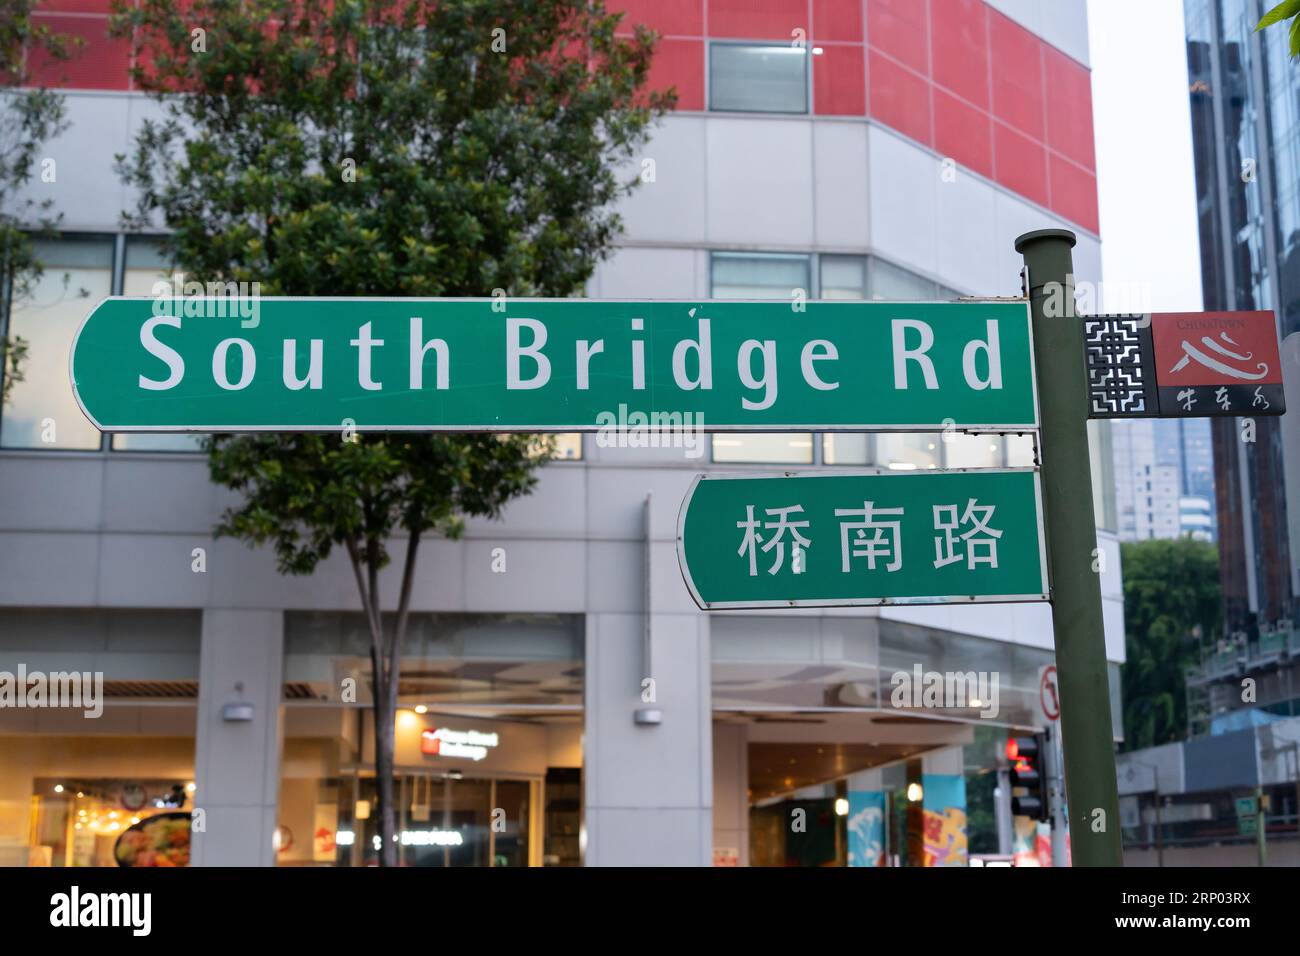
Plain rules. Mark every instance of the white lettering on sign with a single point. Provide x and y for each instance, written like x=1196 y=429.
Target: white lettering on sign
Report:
x=902 y=354
x=175 y=364
x=810 y=354
x=871 y=537
x=745 y=368
x=516 y=352
x=291 y=379
x=364 y=343
x=444 y=742
x=529 y=367
x=248 y=364
x=703 y=357
x=992 y=356
x=442 y=356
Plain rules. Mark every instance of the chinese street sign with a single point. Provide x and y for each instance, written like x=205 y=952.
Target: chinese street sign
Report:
x=282 y=364
x=1183 y=365
x=824 y=539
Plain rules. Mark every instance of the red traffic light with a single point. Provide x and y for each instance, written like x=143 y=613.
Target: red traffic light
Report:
x=1013 y=749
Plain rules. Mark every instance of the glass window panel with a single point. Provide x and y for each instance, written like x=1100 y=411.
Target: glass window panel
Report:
x=517 y=659
x=846 y=448
x=568 y=446
x=758 y=78
x=738 y=276
x=892 y=283
x=844 y=277
x=78 y=273
x=972 y=451
x=758 y=276
x=69 y=792
x=146 y=265
x=1020 y=451
x=908 y=452
x=780 y=447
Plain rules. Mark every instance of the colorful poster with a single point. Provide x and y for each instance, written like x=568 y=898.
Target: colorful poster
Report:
x=944 y=803
x=866 y=828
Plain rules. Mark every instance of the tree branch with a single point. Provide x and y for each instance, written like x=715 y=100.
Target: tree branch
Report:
x=404 y=602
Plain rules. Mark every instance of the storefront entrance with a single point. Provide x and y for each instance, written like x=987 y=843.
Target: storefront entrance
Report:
x=444 y=819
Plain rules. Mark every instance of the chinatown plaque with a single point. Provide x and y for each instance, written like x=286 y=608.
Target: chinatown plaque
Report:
x=1183 y=365
x=208 y=364
x=825 y=539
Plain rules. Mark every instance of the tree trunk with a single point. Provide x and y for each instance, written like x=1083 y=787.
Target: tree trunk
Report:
x=385 y=717
x=385 y=670
x=383 y=699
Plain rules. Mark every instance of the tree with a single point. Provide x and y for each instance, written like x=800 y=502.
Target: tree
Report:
x=1286 y=10
x=386 y=147
x=1171 y=594
x=28 y=118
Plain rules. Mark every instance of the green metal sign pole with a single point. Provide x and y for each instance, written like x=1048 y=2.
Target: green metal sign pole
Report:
x=1091 y=789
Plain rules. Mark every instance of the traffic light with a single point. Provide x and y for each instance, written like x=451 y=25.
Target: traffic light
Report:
x=1026 y=772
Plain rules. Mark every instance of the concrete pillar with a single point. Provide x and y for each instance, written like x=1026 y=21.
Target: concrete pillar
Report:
x=943 y=781
x=866 y=825
x=648 y=789
x=731 y=794
x=237 y=762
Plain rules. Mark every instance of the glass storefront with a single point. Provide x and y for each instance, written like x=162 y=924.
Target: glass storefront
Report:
x=488 y=741
x=444 y=819
x=98 y=769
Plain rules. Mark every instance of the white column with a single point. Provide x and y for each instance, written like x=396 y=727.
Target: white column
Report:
x=237 y=762
x=731 y=790
x=648 y=789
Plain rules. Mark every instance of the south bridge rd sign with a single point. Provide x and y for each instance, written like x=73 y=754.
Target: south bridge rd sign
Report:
x=199 y=364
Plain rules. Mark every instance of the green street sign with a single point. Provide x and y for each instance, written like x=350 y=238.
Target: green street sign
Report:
x=822 y=539
x=1247 y=807
x=174 y=364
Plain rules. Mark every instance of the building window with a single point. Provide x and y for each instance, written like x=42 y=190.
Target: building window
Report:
x=758 y=275
x=758 y=77
x=761 y=276
x=42 y=411
x=972 y=451
x=75 y=795
x=893 y=283
x=568 y=446
x=1020 y=451
x=909 y=452
x=146 y=265
x=847 y=448
x=843 y=277
x=457 y=760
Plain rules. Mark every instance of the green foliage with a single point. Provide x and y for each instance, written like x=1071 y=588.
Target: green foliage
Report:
x=1286 y=10
x=28 y=118
x=383 y=148
x=388 y=147
x=1171 y=588
x=306 y=493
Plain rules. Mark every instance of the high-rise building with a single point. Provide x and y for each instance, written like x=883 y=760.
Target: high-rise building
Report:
x=1245 y=106
x=1160 y=464
x=897 y=154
